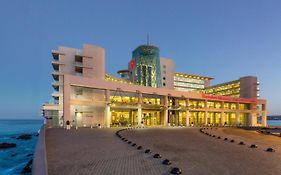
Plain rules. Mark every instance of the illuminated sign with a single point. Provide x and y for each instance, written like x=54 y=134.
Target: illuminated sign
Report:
x=226 y=98
x=132 y=64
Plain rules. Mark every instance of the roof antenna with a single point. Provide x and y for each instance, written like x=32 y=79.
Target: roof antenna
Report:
x=147 y=39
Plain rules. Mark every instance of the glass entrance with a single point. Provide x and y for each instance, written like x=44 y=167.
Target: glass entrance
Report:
x=123 y=118
x=151 y=118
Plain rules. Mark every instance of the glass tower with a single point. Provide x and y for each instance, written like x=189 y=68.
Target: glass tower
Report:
x=145 y=66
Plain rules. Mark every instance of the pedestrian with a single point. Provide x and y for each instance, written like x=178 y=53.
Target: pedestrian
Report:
x=67 y=125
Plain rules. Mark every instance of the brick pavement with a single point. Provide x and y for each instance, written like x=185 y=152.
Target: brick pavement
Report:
x=198 y=154
x=96 y=151
x=99 y=151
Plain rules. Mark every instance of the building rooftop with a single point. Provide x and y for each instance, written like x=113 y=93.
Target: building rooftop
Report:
x=192 y=76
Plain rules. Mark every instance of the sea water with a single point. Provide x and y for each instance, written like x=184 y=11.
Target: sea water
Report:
x=13 y=160
x=274 y=122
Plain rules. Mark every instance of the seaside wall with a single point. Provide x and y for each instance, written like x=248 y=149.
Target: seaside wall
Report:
x=39 y=166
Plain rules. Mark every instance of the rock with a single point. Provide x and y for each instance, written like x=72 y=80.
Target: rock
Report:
x=36 y=135
x=29 y=155
x=24 y=137
x=13 y=155
x=7 y=145
x=27 y=168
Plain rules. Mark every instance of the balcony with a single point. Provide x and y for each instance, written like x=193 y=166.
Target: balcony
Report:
x=56 y=75
x=56 y=85
x=56 y=64
x=56 y=54
x=55 y=94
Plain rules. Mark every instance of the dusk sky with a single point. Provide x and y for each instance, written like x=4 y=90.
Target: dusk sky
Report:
x=219 y=38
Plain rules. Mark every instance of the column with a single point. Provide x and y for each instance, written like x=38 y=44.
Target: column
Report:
x=263 y=117
x=165 y=110
x=187 y=118
x=222 y=118
x=206 y=118
x=252 y=119
x=206 y=114
x=187 y=112
x=222 y=114
x=237 y=119
x=139 y=109
x=107 y=109
x=107 y=116
x=66 y=100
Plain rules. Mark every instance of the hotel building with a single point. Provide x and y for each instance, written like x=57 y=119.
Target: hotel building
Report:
x=149 y=92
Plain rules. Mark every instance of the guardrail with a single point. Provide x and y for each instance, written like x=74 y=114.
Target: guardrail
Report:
x=39 y=166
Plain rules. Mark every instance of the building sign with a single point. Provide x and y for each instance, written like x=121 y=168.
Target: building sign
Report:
x=226 y=98
x=132 y=64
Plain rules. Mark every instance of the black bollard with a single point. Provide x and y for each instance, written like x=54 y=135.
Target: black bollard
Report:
x=253 y=146
x=166 y=162
x=157 y=156
x=270 y=150
x=176 y=170
x=241 y=143
x=147 y=151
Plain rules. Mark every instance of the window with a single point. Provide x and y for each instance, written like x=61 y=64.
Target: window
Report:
x=164 y=78
x=164 y=84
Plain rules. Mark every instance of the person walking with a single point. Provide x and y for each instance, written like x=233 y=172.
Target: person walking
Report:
x=67 y=125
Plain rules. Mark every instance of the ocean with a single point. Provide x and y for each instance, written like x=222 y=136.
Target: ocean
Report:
x=13 y=160
x=274 y=122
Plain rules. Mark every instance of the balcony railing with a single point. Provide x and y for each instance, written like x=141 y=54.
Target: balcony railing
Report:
x=55 y=94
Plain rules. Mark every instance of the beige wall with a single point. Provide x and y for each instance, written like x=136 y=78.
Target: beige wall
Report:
x=248 y=87
x=169 y=75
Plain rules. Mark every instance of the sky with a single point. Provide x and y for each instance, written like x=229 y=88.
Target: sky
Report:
x=218 y=38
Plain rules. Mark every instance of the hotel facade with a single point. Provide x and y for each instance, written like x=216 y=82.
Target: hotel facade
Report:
x=148 y=93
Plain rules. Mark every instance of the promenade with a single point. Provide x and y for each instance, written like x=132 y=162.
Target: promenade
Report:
x=96 y=151
x=99 y=151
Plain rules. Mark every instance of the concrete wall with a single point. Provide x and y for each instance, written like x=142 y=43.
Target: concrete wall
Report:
x=167 y=72
x=93 y=61
x=248 y=87
x=39 y=164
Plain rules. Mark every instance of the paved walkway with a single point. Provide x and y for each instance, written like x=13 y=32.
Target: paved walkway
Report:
x=250 y=137
x=199 y=154
x=96 y=151
x=99 y=151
